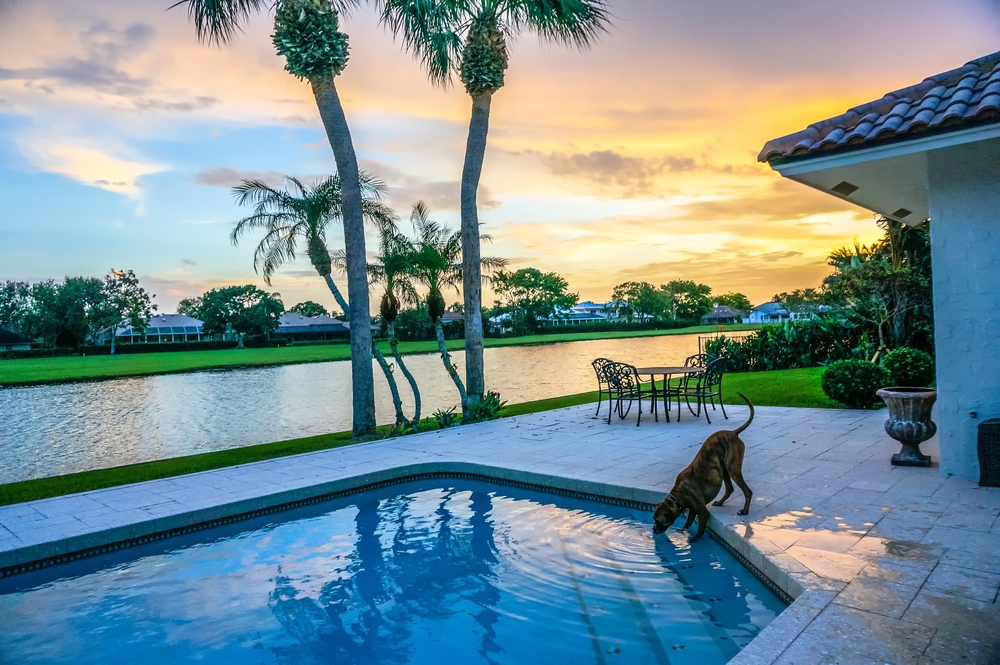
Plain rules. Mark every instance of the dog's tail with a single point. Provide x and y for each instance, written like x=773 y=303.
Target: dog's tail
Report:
x=750 y=420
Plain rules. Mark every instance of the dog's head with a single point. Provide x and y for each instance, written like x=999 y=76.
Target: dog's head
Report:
x=667 y=511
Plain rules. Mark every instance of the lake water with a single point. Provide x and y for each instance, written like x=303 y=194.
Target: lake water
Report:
x=58 y=429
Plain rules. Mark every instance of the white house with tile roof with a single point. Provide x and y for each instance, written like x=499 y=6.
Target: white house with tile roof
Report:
x=931 y=150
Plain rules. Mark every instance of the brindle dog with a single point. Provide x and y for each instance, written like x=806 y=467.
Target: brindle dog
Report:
x=720 y=460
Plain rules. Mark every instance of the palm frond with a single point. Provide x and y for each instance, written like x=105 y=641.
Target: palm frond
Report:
x=217 y=21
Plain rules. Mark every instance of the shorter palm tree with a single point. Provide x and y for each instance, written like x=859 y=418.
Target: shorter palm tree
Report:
x=303 y=214
x=393 y=269
x=437 y=264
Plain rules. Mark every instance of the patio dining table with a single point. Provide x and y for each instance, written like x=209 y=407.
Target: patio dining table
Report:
x=666 y=372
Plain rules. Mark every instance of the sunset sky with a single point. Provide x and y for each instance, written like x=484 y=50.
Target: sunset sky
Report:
x=120 y=136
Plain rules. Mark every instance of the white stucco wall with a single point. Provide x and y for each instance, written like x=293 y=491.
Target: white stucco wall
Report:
x=964 y=197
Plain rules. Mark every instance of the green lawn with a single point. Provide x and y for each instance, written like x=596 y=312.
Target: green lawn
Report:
x=795 y=387
x=75 y=368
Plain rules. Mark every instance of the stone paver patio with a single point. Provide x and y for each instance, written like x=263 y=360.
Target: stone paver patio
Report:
x=887 y=564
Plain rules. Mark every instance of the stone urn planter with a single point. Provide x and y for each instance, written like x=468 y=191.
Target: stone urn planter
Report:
x=909 y=422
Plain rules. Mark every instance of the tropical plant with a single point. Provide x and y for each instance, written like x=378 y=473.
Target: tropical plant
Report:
x=307 y=33
x=310 y=309
x=244 y=310
x=470 y=37
x=393 y=268
x=436 y=264
x=302 y=213
x=853 y=383
x=445 y=418
x=789 y=345
x=490 y=407
x=910 y=367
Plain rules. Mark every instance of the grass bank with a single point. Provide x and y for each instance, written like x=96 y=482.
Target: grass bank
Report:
x=28 y=371
x=795 y=387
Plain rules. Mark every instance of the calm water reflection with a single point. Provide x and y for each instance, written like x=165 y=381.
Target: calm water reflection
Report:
x=51 y=430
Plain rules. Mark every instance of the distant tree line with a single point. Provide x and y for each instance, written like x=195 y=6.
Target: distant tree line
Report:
x=75 y=311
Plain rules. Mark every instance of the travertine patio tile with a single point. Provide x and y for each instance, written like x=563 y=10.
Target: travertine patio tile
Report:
x=825 y=563
x=880 y=596
x=829 y=514
x=964 y=582
x=845 y=635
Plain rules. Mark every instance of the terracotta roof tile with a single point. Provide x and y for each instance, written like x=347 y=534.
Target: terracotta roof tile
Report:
x=950 y=101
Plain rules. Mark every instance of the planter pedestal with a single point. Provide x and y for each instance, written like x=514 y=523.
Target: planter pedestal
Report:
x=909 y=422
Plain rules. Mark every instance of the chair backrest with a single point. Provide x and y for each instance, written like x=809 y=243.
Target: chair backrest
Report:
x=698 y=360
x=713 y=372
x=622 y=377
x=601 y=369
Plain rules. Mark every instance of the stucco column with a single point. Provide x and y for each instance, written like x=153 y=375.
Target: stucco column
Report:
x=964 y=198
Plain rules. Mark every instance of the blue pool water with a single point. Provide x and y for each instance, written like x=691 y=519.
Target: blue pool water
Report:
x=439 y=571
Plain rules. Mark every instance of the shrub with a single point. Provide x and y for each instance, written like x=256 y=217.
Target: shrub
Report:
x=488 y=408
x=445 y=418
x=854 y=382
x=910 y=367
x=788 y=345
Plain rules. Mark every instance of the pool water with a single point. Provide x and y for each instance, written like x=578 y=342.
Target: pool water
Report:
x=438 y=571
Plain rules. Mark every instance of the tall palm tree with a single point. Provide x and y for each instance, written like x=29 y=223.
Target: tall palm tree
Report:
x=392 y=268
x=471 y=36
x=307 y=33
x=437 y=265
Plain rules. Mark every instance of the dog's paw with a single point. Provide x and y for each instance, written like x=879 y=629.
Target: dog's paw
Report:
x=694 y=539
x=717 y=503
x=743 y=512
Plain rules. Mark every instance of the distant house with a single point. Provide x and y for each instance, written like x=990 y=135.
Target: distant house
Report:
x=722 y=314
x=160 y=329
x=11 y=341
x=769 y=312
x=451 y=317
x=295 y=327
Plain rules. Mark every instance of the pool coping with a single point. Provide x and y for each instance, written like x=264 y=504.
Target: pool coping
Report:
x=805 y=596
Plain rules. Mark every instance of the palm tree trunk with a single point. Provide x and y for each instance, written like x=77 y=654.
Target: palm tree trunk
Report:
x=396 y=402
x=472 y=278
x=339 y=135
x=386 y=370
x=448 y=365
x=337 y=295
x=394 y=343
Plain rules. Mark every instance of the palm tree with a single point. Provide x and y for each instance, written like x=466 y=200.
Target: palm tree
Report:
x=307 y=33
x=304 y=213
x=471 y=36
x=437 y=264
x=392 y=269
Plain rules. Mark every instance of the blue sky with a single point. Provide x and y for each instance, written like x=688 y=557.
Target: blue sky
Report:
x=120 y=136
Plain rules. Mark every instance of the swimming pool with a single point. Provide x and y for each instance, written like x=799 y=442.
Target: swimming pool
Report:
x=433 y=571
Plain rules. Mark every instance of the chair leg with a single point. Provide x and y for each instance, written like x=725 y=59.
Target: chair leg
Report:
x=700 y=400
x=723 y=407
x=600 y=398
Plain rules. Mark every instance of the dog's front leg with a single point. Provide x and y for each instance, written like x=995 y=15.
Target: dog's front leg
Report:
x=702 y=515
x=690 y=520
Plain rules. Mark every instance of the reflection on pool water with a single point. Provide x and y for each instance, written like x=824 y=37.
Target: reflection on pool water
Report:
x=437 y=571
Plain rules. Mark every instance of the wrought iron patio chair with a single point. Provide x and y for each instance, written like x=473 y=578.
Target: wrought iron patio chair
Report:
x=704 y=388
x=680 y=386
x=626 y=386
x=600 y=366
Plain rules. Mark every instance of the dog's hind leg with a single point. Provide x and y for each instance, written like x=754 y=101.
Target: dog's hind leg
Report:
x=737 y=473
x=729 y=488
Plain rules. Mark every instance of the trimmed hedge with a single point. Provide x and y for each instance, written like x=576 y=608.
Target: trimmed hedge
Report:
x=853 y=383
x=910 y=367
x=125 y=349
